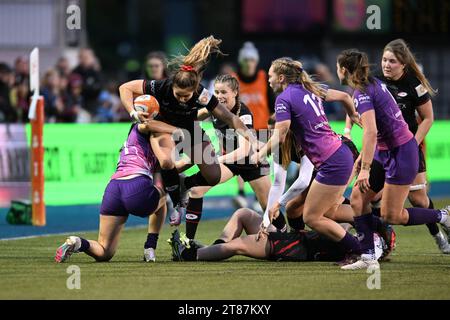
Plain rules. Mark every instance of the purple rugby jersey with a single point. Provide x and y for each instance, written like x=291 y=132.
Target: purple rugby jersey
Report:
x=136 y=156
x=308 y=123
x=392 y=129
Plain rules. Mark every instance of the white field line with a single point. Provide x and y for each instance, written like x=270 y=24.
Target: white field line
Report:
x=64 y=233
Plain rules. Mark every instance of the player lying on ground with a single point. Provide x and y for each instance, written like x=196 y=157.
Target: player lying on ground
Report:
x=130 y=191
x=273 y=245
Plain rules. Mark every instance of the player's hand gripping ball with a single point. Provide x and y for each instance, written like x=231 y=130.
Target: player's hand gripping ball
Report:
x=147 y=103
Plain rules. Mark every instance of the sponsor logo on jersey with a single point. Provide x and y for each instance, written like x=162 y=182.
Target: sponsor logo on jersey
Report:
x=152 y=87
x=279 y=108
x=420 y=90
x=204 y=97
x=355 y=101
x=402 y=94
x=363 y=98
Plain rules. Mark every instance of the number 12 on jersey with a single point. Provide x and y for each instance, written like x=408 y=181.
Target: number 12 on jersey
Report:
x=318 y=108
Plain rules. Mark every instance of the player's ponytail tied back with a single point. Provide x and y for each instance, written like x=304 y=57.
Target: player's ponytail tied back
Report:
x=188 y=69
x=357 y=68
x=294 y=73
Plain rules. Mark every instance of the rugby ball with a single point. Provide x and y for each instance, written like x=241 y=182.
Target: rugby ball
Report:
x=146 y=103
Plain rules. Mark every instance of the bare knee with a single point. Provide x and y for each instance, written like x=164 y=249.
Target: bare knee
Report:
x=310 y=220
x=196 y=193
x=243 y=213
x=213 y=178
x=105 y=258
x=166 y=163
x=418 y=199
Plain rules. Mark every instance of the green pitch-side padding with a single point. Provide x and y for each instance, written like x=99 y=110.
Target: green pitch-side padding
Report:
x=80 y=158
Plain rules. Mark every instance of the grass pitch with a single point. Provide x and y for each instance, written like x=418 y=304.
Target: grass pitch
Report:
x=27 y=271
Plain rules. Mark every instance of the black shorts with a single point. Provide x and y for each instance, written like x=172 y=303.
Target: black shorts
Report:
x=249 y=172
x=351 y=146
x=303 y=246
x=287 y=246
x=196 y=132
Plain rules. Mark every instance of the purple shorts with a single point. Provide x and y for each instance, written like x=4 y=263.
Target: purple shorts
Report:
x=401 y=164
x=137 y=196
x=337 y=169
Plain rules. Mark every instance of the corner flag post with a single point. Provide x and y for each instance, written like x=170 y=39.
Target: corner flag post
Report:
x=36 y=116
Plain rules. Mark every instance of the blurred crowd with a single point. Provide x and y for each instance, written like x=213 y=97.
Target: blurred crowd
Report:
x=83 y=94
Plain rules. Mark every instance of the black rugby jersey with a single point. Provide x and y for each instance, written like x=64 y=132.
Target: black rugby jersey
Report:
x=228 y=138
x=171 y=110
x=409 y=93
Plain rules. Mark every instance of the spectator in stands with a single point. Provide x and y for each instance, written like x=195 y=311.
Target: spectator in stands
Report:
x=156 y=66
x=21 y=70
x=21 y=99
x=105 y=112
x=7 y=112
x=73 y=104
x=63 y=67
x=53 y=95
x=89 y=70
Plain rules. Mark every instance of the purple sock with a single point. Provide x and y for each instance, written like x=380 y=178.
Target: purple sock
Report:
x=85 y=245
x=377 y=223
x=152 y=241
x=350 y=243
x=363 y=225
x=422 y=216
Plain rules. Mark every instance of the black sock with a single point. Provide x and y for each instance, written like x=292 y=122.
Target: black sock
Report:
x=152 y=241
x=279 y=222
x=195 y=180
x=296 y=223
x=218 y=241
x=193 y=216
x=171 y=181
x=85 y=245
x=432 y=227
x=377 y=222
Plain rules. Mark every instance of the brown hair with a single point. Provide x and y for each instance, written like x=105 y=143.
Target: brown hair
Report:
x=357 y=68
x=188 y=69
x=294 y=73
x=161 y=56
x=402 y=52
x=286 y=147
x=233 y=83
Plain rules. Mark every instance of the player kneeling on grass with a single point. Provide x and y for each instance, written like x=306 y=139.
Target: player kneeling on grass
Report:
x=273 y=245
x=130 y=191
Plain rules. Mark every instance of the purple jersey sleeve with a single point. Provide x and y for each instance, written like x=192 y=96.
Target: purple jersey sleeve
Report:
x=282 y=109
x=363 y=102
